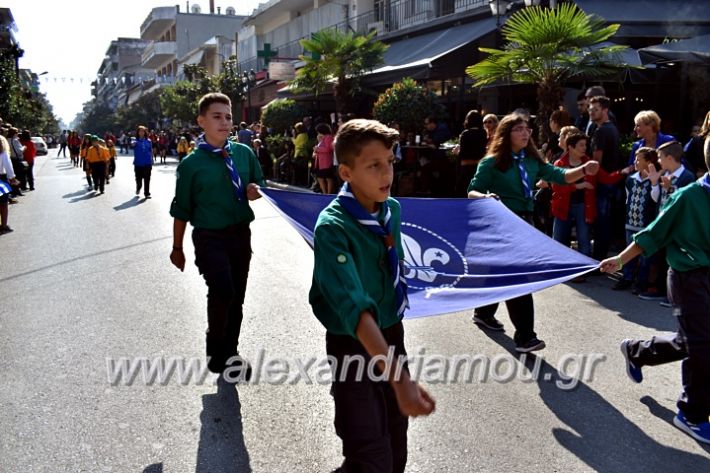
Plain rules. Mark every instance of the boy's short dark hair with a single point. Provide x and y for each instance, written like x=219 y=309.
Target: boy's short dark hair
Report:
x=672 y=148
x=603 y=102
x=649 y=154
x=323 y=129
x=209 y=99
x=355 y=134
x=575 y=138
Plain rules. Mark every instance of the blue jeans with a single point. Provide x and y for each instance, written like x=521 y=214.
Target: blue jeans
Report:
x=640 y=265
x=562 y=229
x=602 y=225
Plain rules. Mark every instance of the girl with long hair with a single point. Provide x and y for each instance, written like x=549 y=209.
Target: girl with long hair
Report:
x=508 y=174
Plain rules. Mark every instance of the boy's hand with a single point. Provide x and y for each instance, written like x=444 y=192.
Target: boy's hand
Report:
x=653 y=174
x=177 y=258
x=253 y=191
x=412 y=399
x=610 y=265
x=666 y=182
x=591 y=168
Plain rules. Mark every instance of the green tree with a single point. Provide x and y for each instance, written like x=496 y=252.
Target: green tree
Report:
x=406 y=103
x=547 y=47
x=143 y=111
x=179 y=101
x=98 y=118
x=337 y=60
x=281 y=114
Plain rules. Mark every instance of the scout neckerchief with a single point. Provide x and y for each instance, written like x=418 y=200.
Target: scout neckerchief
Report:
x=705 y=182
x=226 y=154
x=520 y=158
x=358 y=212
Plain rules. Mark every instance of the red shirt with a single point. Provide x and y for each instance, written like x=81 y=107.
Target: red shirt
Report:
x=30 y=151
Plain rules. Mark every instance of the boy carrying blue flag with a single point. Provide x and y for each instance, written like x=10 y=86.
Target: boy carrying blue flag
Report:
x=214 y=186
x=683 y=229
x=359 y=294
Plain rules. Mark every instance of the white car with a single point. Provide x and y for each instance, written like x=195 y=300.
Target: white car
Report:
x=40 y=145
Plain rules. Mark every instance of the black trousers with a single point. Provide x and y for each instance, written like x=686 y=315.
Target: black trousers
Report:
x=521 y=309
x=689 y=292
x=367 y=418
x=143 y=179
x=223 y=258
x=98 y=174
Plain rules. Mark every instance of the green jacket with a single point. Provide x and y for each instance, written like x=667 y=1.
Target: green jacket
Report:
x=682 y=228
x=351 y=272
x=204 y=193
x=509 y=186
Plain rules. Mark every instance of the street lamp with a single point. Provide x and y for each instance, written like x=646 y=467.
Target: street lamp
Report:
x=248 y=81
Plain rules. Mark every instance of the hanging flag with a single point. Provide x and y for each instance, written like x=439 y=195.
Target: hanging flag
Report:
x=459 y=254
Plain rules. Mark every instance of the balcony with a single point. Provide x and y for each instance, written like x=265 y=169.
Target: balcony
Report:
x=159 y=53
x=159 y=19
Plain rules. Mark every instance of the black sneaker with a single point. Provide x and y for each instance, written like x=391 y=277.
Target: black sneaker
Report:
x=491 y=323
x=621 y=285
x=532 y=345
x=633 y=371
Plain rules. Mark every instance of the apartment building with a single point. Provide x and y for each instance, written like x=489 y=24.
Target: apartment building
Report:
x=174 y=37
x=120 y=69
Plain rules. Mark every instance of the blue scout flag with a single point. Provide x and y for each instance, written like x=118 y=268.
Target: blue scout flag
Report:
x=4 y=188
x=459 y=253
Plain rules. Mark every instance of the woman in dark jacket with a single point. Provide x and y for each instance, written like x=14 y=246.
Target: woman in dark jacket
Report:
x=471 y=149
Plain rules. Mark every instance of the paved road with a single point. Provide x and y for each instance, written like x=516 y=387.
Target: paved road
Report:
x=87 y=278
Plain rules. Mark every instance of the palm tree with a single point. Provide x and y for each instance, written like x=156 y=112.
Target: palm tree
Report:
x=337 y=60
x=547 y=47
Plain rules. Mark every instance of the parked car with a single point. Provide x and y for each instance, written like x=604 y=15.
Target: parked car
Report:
x=40 y=145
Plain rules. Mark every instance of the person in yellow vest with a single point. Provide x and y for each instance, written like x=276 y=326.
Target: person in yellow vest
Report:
x=111 y=170
x=85 y=145
x=97 y=157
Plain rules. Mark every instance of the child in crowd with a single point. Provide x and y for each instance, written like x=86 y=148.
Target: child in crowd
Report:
x=111 y=171
x=183 y=148
x=361 y=302
x=85 y=145
x=672 y=176
x=641 y=209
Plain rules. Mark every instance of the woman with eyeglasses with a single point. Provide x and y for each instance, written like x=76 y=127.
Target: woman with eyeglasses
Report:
x=508 y=174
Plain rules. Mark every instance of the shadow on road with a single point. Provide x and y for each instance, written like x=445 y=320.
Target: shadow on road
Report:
x=75 y=194
x=628 y=306
x=598 y=433
x=91 y=255
x=88 y=194
x=664 y=414
x=222 y=445
x=134 y=201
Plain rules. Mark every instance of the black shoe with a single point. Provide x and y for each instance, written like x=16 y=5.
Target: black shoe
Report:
x=491 y=323
x=622 y=285
x=147 y=196
x=531 y=345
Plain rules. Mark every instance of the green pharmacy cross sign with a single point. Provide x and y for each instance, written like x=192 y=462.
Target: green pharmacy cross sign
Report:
x=267 y=54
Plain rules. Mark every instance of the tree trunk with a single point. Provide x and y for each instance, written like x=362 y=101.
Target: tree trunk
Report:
x=549 y=97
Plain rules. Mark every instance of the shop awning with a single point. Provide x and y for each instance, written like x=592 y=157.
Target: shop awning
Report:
x=694 y=50
x=653 y=18
x=416 y=56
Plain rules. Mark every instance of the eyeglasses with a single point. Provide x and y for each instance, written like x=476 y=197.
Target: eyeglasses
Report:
x=521 y=129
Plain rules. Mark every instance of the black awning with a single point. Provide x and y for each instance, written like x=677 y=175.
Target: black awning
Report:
x=694 y=50
x=416 y=56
